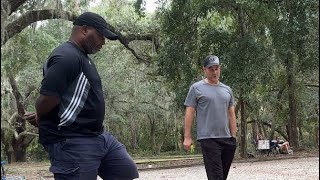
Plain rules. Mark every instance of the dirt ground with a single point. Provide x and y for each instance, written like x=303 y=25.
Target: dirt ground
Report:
x=302 y=168
x=37 y=170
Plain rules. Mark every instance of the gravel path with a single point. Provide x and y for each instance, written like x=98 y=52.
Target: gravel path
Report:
x=286 y=169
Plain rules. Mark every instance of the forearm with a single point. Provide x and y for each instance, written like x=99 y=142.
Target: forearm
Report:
x=232 y=122
x=188 y=121
x=233 y=127
x=45 y=104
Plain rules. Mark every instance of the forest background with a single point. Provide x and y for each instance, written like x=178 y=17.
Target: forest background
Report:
x=269 y=51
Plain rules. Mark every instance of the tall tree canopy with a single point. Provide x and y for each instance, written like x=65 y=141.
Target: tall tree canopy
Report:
x=269 y=53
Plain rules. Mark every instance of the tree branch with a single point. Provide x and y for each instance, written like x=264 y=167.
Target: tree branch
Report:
x=33 y=16
x=30 y=17
x=143 y=102
x=14 y=5
x=125 y=42
x=13 y=117
x=17 y=95
x=312 y=85
x=28 y=137
x=24 y=133
x=276 y=129
x=132 y=37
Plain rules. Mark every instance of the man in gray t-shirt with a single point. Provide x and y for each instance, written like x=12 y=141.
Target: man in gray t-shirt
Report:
x=213 y=103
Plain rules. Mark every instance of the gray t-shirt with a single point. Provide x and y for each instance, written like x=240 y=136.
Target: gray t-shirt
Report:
x=211 y=103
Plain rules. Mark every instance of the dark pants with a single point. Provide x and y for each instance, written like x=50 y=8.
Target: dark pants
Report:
x=83 y=158
x=218 y=154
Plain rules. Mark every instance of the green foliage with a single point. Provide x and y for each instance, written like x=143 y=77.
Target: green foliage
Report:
x=189 y=39
x=23 y=56
x=121 y=14
x=253 y=40
x=74 y=5
x=139 y=6
x=294 y=32
x=246 y=61
x=16 y=54
x=36 y=152
x=177 y=59
x=136 y=99
x=144 y=103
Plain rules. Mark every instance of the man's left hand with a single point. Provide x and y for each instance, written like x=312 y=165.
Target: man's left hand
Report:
x=32 y=118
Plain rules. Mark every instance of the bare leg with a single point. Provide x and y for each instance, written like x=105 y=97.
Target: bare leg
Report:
x=285 y=147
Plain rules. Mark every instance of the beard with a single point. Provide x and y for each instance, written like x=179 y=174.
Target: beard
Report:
x=89 y=46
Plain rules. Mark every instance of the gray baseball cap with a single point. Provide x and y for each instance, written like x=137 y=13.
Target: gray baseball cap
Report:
x=210 y=61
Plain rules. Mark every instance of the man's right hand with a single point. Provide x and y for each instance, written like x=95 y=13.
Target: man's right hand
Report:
x=32 y=118
x=187 y=143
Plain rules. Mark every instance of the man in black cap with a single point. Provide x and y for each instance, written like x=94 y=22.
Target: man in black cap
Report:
x=70 y=109
x=213 y=103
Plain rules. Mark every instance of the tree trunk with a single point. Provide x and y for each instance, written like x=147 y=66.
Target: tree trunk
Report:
x=4 y=18
x=152 y=133
x=278 y=109
x=153 y=137
x=19 y=140
x=260 y=128
x=133 y=132
x=19 y=148
x=292 y=122
x=132 y=119
x=181 y=139
x=243 y=141
x=317 y=136
x=243 y=31
x=161 y=141
x=254 y=131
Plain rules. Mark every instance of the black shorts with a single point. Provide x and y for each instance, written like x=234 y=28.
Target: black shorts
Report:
x=83 y=158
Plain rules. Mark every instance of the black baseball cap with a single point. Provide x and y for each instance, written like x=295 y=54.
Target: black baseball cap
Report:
x=96 y=21
x=210 y=61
